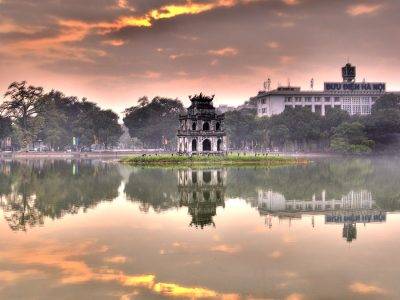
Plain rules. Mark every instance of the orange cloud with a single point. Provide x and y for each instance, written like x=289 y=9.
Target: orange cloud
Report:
x=286 y=59
x=175 y=290
x=366 y=289
x=116 y=259
x=273 y=45
x=363 y=9
x=227 y=248
x=276 y=254
x=295 y=296
x=228 y=51
x=291 y=2
x=115 y=43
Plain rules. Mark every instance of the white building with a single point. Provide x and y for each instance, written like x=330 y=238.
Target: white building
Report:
x=349 y=95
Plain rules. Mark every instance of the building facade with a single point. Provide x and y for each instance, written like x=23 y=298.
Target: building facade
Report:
x=354 y=97
x=201 y=129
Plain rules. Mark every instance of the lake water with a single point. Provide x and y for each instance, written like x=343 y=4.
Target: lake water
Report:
x=100 y=230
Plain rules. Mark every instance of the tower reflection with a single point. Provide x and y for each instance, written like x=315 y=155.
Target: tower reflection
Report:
x=202 y=191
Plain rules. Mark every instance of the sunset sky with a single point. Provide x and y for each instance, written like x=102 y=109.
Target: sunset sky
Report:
x=114 y=51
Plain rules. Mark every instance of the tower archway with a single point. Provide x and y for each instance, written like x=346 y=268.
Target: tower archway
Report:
x=206 y=145
x=219 y=145
x=206 y=126
x=194 y=145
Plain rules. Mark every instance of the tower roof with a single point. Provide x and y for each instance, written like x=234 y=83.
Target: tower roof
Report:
x=201 y=101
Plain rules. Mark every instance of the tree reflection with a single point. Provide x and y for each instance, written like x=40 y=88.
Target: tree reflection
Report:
x=152 y=188
x=38 y=189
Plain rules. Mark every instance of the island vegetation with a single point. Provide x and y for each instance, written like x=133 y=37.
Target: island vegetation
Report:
x=212 y=160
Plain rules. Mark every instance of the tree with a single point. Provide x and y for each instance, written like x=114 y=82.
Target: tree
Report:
x=155 y=123
x=278 y=135
x=23 y=107
x=5 y=127
x=241 y=128
x=107 y=131
x=350 y=138
x=388 y=101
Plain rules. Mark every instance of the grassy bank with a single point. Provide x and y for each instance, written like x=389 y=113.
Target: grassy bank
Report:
x=231 y=159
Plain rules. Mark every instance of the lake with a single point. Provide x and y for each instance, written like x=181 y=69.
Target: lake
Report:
x=92 y=229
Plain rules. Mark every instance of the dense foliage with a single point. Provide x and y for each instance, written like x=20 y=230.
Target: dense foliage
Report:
x=299 y=129
x=154 y=122
x=30 y=115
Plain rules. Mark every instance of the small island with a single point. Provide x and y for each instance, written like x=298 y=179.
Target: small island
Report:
x=234 y=159
x=202 y=141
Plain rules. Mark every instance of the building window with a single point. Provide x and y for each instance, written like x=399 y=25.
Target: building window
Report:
x=327 y=99
x=263 y=110
x=262 y=101
x=317 y=99
x=308 y=99
x=318 y=109
x=357 y=109
x=347 y=108
x=365 y=100
x=288 y=99
x=365 y=109
x=337 y=99
x=298 y=99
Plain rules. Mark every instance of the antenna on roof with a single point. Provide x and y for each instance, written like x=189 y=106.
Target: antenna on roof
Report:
x=312 y=84
x=288 y=82
x=267 y=84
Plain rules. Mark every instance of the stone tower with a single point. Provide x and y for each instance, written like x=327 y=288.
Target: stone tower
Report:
x=201 y=129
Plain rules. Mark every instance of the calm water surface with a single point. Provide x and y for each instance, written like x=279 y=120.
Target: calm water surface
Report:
x=100 y=230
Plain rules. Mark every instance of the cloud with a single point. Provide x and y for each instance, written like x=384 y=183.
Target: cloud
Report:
x=273 y=45
x=228 y=51
x=229 y=249
x=291 y=2
x=366 y=289
x=276 y=254
x=115 y=43
x=363 y=9
x=116 y=259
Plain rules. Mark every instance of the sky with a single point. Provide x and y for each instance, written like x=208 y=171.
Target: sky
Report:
x=115 y=51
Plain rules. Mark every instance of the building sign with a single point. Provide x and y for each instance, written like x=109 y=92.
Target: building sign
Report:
x=356 y=217
x=355 y=86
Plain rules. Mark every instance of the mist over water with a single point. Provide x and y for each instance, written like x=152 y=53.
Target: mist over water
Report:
x=93 y=229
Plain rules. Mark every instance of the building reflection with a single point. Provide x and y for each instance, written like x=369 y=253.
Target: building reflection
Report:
x=202 y=191
x=352 y=208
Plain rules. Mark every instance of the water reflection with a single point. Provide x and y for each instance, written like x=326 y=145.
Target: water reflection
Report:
x=202 y=191
x=33 y=190
x=232 y=233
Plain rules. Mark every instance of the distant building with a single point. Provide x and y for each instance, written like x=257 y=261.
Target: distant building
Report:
x=225 y=108
x=201 y=129
x=354 y=97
